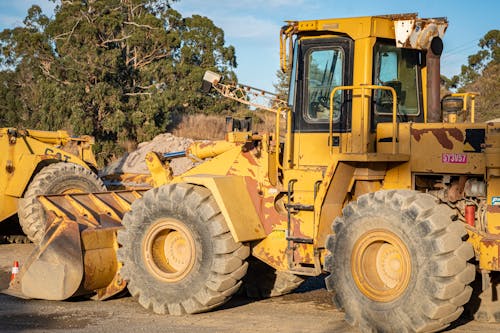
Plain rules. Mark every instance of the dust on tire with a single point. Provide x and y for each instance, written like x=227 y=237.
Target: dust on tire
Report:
x=220 y=261
x=55 y=178
x=438 y=286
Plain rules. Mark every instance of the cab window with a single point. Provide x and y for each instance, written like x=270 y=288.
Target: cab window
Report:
x=325 y=71
x=397 y=68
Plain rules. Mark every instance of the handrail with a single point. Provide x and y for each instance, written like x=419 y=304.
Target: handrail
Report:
x=277 y=139
x=286 y=33
x=277 y=133
x=363 y=111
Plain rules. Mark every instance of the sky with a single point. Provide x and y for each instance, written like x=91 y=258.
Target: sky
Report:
x=252 y=26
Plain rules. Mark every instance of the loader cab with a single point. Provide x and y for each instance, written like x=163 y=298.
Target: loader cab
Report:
x=325 y=63
x=321 y=63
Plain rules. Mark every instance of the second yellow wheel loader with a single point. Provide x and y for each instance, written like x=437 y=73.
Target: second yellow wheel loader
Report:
x=35 y=162
x=370 y=181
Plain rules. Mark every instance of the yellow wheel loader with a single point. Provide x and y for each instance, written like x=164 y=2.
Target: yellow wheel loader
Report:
x=374 y=180
x=35 y=162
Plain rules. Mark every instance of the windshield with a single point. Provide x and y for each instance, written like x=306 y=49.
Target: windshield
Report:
x=396 y=68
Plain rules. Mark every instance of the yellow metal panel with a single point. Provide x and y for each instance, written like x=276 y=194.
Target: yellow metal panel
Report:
x=99 y=257
x=374 y=157
x=331 y=197
x=8 y=207
x=356 y=28
x=233 y=197
x=161 y=172
x=272 y=249
x=219 y=165
x=487 y=249
x=363 y=54
x=25 y=165
x=311 y=149
x=398 y=176
x=384 y=138
x=424 y=92
x=444 y=149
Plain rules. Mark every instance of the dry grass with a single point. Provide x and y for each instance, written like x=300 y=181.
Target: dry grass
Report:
x=213 y=127
x=200 y=126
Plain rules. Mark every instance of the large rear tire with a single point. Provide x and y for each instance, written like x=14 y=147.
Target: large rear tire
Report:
x=177 y=252
x=485 y=304
x=398 y=263
x=57 y=178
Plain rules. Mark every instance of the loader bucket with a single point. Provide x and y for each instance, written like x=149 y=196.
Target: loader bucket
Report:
x=54 y=270
x=77 y=255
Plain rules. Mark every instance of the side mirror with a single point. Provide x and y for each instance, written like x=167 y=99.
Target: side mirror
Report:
x=209 y=79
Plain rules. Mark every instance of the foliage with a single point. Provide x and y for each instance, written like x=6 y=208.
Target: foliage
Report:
x=478 y=62
x=481 y=75
x=282 y=85
x=116 y=69
x=488 y=86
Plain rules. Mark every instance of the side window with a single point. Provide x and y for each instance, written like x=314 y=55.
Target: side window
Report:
x=324 y=71
x=396 y=68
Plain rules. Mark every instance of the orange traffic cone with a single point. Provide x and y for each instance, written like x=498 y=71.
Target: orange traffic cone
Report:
x=15 y=270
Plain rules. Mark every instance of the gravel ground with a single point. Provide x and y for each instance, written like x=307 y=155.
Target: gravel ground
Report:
x=308 y=310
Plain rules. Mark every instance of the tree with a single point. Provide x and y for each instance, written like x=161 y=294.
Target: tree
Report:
x=283 y=85
x=478 y=62
x=488 y=86
x=115 y=69
x=481 y=75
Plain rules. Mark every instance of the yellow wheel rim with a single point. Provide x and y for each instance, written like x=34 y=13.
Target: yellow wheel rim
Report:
x=169 y=250
x=381 y=265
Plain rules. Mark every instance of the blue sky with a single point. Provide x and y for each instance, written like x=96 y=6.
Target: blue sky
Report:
x=252 y=26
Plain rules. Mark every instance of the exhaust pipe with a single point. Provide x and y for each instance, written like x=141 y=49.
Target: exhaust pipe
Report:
x=433 y=62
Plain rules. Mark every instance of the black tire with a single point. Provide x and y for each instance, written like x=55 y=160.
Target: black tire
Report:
x=485 y=304
x=17 y=239
x=176 y=282
x=263 y=281
x=398 y=263
x=55 y=178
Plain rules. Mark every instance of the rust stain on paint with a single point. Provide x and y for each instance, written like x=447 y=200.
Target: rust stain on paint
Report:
x=441 y=134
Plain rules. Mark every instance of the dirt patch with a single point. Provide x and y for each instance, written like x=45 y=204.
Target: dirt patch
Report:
x=9 y=253
x=49 y=321
x=308 y=310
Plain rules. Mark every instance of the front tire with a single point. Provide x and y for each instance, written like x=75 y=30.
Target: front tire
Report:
x=57 y=178
x=398 y=263
x=177 y=252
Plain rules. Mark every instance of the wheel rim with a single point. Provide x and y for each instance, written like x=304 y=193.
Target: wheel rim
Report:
x=381 y=265
x=169 y=250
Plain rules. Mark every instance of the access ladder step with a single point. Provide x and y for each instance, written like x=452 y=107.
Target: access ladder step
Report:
x=300 y=240
x=300 y=207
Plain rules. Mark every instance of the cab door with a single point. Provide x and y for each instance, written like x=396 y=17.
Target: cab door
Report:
x=323 y=63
